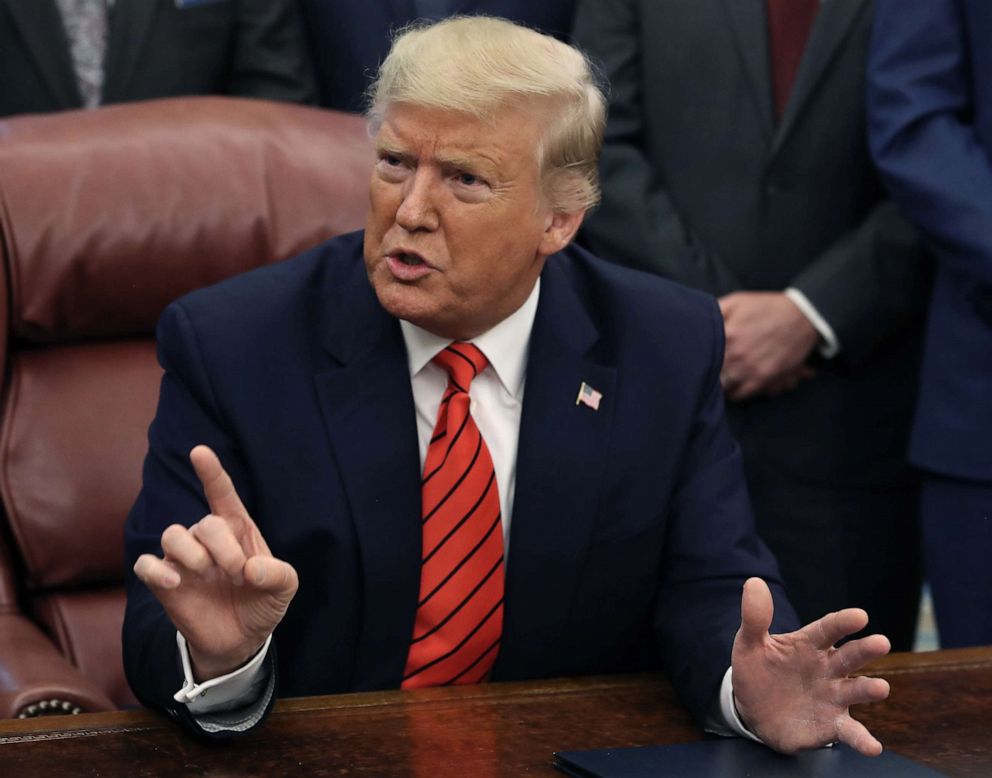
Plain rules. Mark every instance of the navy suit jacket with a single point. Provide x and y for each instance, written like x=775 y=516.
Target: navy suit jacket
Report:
x=631 y=534
x=930 y=105
x=349 y=38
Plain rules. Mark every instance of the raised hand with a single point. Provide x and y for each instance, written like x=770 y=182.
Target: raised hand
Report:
x=768 y=341
x=218 y=582
x=794 y=690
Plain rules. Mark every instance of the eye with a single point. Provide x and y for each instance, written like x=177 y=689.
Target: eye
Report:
x=391 y=167
x=469 y=187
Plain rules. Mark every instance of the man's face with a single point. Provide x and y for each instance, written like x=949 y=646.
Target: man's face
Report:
x=457 y=233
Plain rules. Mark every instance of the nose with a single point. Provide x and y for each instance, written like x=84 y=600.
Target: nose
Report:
x=418 y=209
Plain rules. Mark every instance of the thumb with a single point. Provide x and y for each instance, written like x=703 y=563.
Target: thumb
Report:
x=757 y=610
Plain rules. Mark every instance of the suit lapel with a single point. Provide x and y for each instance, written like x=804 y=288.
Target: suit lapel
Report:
x=130 y=24
x=40 y=25
x=560 y=466
x=829 y=30
x=749 y=22
x=368 y=411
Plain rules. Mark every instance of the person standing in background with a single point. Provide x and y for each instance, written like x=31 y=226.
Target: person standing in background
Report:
x=735 y=161
x=930 y=112
x=349 y=38
x=58 y=55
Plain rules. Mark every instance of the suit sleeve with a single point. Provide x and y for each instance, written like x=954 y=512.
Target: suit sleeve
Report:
x=921 y=129
x=171 y=493
x=712 y=547
x=271 y=58
x=871 y=282
x=637 y=223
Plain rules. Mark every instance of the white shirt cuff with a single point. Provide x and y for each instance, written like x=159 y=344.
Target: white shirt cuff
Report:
x=226 y=691
x=830 y=346
x=724 y=719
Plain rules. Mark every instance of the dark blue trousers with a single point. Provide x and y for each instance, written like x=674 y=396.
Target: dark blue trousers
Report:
x=957 y=550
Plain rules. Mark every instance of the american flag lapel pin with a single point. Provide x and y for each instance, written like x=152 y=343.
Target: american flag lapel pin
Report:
x=588 y=396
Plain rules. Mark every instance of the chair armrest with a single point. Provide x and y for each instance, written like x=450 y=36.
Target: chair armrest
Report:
x=33 y=674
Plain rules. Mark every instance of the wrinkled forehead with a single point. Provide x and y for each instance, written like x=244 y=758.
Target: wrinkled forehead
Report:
x=511 y=132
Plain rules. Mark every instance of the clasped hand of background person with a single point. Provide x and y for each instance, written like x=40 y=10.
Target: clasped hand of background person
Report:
x=794 y=690
x=768 y=340
x=218 y=581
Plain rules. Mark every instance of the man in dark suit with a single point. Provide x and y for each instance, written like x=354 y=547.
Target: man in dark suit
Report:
x=930 y=110
x=57 y=55
x=735 y=161
x=349 y=38
x=490 y=390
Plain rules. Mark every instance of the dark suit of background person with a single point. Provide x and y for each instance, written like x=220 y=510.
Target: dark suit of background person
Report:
x=702 y=185
x=247 y=48
x=349 y=38
x=631 y=534
x=930 y=107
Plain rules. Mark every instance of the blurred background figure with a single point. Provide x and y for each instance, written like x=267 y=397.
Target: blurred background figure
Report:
x=736 y=161
x=62 y=54
x=930 y=104
x=349 y=38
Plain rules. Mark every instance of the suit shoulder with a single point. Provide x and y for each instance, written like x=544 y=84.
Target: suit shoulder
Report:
x=264 y=297
x=628 y=297
x=659 y=325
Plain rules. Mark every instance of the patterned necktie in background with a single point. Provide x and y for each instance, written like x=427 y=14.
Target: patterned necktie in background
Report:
x=460 y=609
x=85 y=23
x=789 y=26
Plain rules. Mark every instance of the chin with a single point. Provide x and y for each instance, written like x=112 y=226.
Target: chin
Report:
x=402 y=301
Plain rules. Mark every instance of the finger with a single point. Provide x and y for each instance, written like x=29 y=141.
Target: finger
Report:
x=156 y=573
x=789 y=380
x=272 y=575
x=183 y=549
x=744 y=390
x=856 y=735
x=217 y=485
x=757 y=610
x=826 y=631
x=216 y=536
x=860 y=690
x=852 y=656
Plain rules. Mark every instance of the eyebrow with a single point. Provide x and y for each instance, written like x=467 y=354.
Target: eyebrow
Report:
x=476 y=164
x=481 y=163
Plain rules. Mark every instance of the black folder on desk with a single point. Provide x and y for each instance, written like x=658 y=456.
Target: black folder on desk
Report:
x=731 y=757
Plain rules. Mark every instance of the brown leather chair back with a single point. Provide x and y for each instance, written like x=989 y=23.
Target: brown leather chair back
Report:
x=105 y=217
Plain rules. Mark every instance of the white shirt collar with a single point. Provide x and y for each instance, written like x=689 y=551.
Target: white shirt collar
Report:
x=505 y=345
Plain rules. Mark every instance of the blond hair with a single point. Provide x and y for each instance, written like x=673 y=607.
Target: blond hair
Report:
x=480 y=64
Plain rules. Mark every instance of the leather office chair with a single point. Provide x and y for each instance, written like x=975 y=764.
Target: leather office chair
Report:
x=105 y=217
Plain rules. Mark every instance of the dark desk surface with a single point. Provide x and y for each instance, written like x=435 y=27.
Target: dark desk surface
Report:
x=939 y=713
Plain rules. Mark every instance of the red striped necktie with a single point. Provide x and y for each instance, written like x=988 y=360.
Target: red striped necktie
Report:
x=460 y=609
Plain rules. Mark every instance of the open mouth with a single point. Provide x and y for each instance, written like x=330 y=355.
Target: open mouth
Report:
x=408 y=265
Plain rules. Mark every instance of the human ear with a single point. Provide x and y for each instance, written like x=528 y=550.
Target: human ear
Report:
x=559 y=230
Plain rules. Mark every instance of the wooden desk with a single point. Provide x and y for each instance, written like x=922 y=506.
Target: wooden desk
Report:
x=939 y=713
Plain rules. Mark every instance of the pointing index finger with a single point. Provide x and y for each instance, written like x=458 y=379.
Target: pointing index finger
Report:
x=218 y=488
